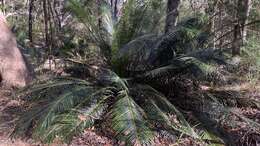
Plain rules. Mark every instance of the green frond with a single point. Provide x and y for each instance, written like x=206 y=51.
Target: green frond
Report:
x=129 y=122
x=156 y=114
x=96 y=35
x=180 y=65
x=213 y=114
x=36 y=90
x=177 y=66
x=137 y=14
x=68 y=125
x=151 y=50
x=210 y=138
x=160 y=107
x=110 y=78
x=46 y=111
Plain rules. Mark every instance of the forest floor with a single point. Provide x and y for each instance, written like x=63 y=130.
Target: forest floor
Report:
x=10 y=107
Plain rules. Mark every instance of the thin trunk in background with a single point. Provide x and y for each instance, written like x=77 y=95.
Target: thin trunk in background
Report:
x=220 y=16
x=46 y=23
x=55 y=4
x=237 y=43
x=51 y=27
x=3 y=6
x=46 y=26
x=115 y=10
x=172 y=14
x=99 y=13
x=246 y=7
x=30 y=30
x=242 y=13
x=211 y=10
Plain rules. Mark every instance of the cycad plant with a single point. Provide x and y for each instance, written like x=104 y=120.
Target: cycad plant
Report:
x=148 y=87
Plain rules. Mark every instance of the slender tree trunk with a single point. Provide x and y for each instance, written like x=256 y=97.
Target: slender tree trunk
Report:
x=115 y=10
x=211 y=10
x=99 y=13
x=220 y=15
x=57 y=14
x=246 y=10
x=3 y=6
x=237 y=43
x=243 y=9
x=212 y=24
x=51 y=27
x=46 y=23
x=30 y=30
x=172 y=14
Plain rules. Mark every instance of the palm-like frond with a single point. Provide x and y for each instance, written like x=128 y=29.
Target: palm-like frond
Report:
x=47 y=110
x=152 y=51
x=36 y=90
x=67 y=125
x=96 y=35
x=69 y=112
x=158 y=109
x=136 y=15
x=129 y=121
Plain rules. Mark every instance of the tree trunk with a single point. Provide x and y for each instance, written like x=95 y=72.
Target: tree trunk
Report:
x=243 y=9
x=211 y=10
x=172 y=14
x=55 y=3
x=51 y=27
x=237 y=41
x=2 y=6
x=115 y=10
x=13 y=68
x=99 y=13
x=31 y=5
x=46 y=23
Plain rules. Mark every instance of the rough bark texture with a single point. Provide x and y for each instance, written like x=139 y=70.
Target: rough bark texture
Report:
x=13 y=68
x=172 y=14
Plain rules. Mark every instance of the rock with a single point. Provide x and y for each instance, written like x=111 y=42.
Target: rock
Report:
x=13 y=68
